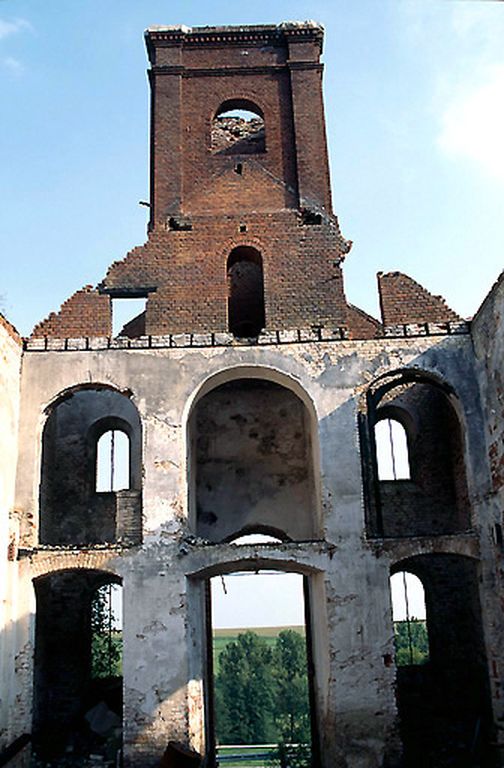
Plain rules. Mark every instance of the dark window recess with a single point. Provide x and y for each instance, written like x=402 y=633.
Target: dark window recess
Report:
x=311 y=218
x=180 y=224
x=246 y=315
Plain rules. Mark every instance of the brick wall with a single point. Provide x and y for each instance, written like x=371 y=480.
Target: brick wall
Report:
x=403 y=300
x=184 y=272
x=12 y=332
x=86 y=313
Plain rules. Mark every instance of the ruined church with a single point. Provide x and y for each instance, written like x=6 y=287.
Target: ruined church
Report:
x=250 y=394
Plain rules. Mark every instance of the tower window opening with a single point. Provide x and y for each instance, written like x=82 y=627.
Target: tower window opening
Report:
x=392 y=450
x=238 y=129
x=246 y=313
x=113 y=461
x=409 y=617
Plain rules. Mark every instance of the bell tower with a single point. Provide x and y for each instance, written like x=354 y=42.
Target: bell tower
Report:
x=242 y=237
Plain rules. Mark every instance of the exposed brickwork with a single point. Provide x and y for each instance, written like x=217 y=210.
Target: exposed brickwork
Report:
x=403 y=300
x=86 y=313
x=185 y=272
x=10 y=329
x=361 y=325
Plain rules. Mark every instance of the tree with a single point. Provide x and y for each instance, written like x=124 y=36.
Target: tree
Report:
x=244 y=693
x=418 y=652
x=106 y=641
x=292 y=709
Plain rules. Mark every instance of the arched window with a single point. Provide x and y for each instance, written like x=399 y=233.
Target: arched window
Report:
x=409 y=617
x=113 y=461
x=392 y=450
x=246 y=316
x=238 y=128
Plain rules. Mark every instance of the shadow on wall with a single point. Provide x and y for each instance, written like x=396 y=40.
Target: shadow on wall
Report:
x=433 y=499
x=73 y=508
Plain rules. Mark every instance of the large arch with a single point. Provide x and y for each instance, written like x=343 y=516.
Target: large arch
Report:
x=71 y=510
x=200 y=622
x=271 y=478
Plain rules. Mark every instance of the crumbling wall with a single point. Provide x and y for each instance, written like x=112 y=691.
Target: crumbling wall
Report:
x=164 y=578
x=487 y=331
x=10 y=363
x=403 y=300
x=86 y=313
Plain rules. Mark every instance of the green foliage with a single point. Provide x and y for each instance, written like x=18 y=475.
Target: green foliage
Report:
x=106 y=642
x=292 y=755
x=290 y=676
x=261 y=692
x=106 y=655
x=243 y=693
x=419 y=652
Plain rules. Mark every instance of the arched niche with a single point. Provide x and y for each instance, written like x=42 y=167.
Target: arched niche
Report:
x=246 y=312
x=434 y=499
x=251 y=461
x=238 y=128
x=72 y=511
x=64 y=686
x=444 y=703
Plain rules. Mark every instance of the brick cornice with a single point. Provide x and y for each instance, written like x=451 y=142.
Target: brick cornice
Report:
x=282 y=34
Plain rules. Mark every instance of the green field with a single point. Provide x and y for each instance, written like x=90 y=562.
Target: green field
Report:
x=221 y=638
x=242 y=751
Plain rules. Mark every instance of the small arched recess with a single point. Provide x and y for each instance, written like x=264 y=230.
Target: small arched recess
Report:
x=252 y=451
x=246 y=312
x=429 y=496
x=73 y=510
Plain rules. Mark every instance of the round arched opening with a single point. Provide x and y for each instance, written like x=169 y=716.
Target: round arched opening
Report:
x=238 y=128
x=251 y=462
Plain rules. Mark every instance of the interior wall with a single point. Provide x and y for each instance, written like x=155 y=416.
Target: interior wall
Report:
x=253 y=459
x=71 y=511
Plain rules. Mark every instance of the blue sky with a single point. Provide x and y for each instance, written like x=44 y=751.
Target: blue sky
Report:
x=415 y=117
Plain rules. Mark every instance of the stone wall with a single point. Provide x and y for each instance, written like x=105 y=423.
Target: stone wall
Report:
x=10 y=611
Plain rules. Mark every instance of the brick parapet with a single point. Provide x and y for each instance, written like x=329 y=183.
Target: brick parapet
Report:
x=404 y=301
x=85 y=313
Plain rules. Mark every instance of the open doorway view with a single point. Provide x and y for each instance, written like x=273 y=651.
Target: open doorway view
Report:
x=77 y=713
x=260 y=681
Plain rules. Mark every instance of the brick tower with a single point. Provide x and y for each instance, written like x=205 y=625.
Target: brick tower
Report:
x=242 y=234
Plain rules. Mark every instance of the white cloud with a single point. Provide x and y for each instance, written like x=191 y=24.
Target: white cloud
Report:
x=472 y=123
x=8 y=28
x=13 y=65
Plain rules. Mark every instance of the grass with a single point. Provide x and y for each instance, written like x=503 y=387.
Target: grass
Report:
x=247 y=750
